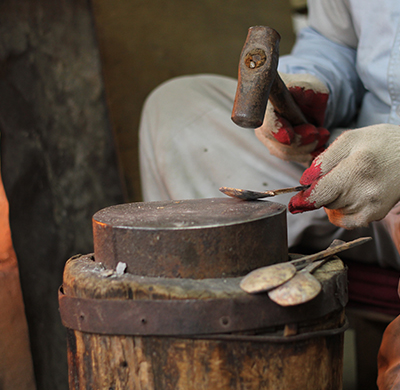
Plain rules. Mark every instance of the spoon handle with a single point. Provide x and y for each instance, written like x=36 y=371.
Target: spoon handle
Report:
x=332 y=250
x=286 y=190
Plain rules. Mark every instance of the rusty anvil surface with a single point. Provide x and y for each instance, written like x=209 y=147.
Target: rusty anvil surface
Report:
x=198 y=238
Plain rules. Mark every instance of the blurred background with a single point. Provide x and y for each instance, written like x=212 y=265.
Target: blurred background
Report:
x=144 y=43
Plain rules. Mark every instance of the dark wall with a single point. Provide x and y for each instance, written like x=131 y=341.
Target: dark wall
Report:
x=57 y=156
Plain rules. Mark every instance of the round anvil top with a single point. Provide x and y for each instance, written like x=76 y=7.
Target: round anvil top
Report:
x=197 y=238
x=186 y=214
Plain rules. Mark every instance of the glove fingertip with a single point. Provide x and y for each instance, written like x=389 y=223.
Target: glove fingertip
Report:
x=308 y=133
x=300 y=203
x=285 y=133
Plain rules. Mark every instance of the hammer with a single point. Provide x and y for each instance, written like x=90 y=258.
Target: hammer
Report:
x=259 y=80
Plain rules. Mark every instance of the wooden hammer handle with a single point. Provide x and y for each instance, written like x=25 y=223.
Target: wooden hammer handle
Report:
x=284 y=104
x=259 y=80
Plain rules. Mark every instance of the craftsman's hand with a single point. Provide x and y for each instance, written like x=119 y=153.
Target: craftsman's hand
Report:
x=357 y=179
x=297 y=143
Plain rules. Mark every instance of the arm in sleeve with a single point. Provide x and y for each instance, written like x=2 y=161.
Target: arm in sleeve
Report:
x=327 y=54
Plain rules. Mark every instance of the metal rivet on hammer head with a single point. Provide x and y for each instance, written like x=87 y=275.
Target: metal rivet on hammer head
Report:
x=255 y=58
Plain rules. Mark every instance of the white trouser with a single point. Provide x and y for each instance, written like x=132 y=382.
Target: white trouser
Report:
x=189 y=147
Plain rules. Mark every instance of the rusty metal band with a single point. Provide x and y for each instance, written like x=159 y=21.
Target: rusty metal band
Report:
x=193 y=316
x=278 y=338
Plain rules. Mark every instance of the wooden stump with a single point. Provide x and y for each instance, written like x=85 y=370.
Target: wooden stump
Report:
x=309 y=356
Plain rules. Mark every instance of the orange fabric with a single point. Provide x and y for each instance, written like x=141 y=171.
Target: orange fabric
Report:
x=389 y=358
x=373 y=288
x=16 y=368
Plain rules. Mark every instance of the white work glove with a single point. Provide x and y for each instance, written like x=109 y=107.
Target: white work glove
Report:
x=357 y=179
x=297 y=143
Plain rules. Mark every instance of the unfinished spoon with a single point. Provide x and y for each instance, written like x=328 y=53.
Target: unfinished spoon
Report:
x=303 y=286
x=253 y=195
x=267 y=278
x=272 y=276
x=300 y=289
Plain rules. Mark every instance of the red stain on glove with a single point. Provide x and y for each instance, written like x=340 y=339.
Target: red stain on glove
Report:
x=313 y=106
x=285 y=133
x=308 y=132
x=323 y=139
x=300 y=202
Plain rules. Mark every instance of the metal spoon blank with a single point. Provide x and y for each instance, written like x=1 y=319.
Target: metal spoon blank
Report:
x=253 y=195
x=272 y=276
x=267 y=278
x=303 y=287
x=300 y=289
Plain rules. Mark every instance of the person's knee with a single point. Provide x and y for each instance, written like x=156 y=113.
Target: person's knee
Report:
x=170 y=91
x=186 y=90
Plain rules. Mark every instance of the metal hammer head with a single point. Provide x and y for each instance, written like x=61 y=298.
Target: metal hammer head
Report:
x=259 y=80
x=257 y=70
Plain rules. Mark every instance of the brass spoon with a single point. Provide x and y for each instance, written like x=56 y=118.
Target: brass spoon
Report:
x=253 y=195
x=300 y=289
x=303 y=287
x=272 y=276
